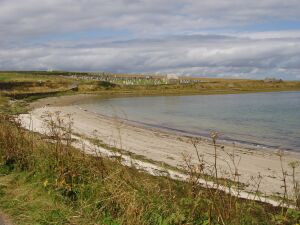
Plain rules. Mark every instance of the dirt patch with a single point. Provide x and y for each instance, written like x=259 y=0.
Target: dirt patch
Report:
x=4 y=220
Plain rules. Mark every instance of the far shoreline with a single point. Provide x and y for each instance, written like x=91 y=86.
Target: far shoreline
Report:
x=188 y=134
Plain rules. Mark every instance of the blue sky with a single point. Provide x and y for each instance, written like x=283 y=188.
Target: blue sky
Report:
x=216 y=38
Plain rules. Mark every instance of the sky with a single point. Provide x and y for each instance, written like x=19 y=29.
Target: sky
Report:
x=216 y=38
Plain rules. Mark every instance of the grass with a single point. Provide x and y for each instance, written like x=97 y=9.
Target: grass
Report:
x=11 y=107
x=29 y=77
x=18 y=85
x=29 y=202
x=210 y=87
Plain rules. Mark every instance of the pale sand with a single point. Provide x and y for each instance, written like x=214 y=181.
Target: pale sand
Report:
x=166 y=146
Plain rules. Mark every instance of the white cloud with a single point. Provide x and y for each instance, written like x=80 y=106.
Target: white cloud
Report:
x=196 y=55
x=33 y=36
x=29 y=18
x=289 y=34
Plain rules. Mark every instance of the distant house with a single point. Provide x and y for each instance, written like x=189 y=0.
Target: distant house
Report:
x=172 y=76
x=172 y=79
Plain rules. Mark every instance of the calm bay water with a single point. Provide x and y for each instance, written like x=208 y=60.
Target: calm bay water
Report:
x=269 y=119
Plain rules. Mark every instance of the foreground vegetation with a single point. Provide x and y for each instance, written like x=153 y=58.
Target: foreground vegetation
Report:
x=44 y=180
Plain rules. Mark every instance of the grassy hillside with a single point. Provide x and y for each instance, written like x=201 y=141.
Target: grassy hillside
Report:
x=210 y=87
x=18 y=85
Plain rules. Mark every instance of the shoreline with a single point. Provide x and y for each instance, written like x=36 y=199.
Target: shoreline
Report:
x=165 y=145
x=188 y=134
x=75 y=98
x=204 y=135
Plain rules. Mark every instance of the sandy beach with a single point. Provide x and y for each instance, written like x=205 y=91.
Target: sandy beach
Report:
x=166 y=146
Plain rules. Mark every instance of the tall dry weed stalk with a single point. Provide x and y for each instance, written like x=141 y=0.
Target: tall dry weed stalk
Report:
x=214 y=136
x=296 y=189
x=196 y=173
x=59 y=131
x=12 y=141
x=284 y=173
